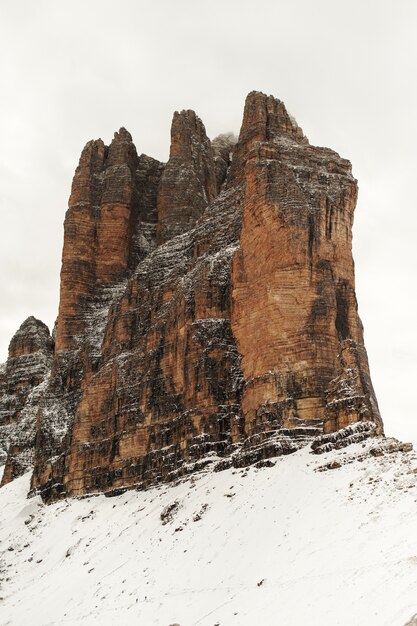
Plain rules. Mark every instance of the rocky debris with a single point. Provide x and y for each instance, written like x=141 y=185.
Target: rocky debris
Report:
x=329 y=466
x=376 y=451
x=354 y=433
x=207 y=309
x=390 y=445
x=198 y=516
x=22 y=384
x=371 y=446
x=259 y=447
x=169 y=512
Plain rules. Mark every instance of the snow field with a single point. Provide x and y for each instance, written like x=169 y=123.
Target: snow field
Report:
x=286 y=544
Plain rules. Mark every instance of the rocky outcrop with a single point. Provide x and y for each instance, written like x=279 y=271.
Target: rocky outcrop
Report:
x=189 y=182
x=294 y=308
x=106 y=229
x=166 y=387
x=22 y=382
x=223 y=147
x=207 y=307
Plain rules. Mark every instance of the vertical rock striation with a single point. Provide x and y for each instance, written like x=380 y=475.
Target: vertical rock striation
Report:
x=207 y=307
x=295 y=314
x=163 y=386
x=102 y=230
x=189 y=182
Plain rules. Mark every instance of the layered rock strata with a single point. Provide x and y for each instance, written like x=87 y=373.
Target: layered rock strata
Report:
x=207 y=306
x=109 y=227
x=189 y=182
x=295 y=314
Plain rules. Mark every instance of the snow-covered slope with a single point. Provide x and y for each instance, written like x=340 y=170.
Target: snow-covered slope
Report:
x=287 y=544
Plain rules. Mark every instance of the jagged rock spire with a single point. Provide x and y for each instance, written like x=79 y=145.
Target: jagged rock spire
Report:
x=32 y=336
x=26 y=369
x=98 y=231
x=188 y=183
x=265 y=119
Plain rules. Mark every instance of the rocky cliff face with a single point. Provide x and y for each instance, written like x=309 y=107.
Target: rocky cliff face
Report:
x=207 y=307
x=295 y=315
x=188 y=183
x=22 y=384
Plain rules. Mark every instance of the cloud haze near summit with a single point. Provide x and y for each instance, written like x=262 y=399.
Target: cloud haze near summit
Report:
x=72 y=71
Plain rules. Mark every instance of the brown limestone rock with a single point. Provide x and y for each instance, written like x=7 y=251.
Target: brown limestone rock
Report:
x=32 y=336
x=103 y=237
x=109 y=227
x=294 y=312
x=22 y=382
x=188 y=183
x=166 y=391
x=207 y=308
x=265 y=120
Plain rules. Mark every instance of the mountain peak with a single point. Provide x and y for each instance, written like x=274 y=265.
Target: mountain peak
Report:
x=207 y=311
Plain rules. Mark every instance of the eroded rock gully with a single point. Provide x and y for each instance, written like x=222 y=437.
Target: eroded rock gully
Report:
x=207 y=309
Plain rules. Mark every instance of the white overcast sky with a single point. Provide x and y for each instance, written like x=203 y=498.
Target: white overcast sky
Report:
x=347 y=70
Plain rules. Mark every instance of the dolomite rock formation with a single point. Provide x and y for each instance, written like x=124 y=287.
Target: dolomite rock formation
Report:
x=22 y=382
x=102 y=241
x=293 y=277
x=188 y=183
x=207 y=307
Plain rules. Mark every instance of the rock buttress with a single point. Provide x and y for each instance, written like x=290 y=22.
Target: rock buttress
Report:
x=294 y=313
x=22 y=383
x=107 y=229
